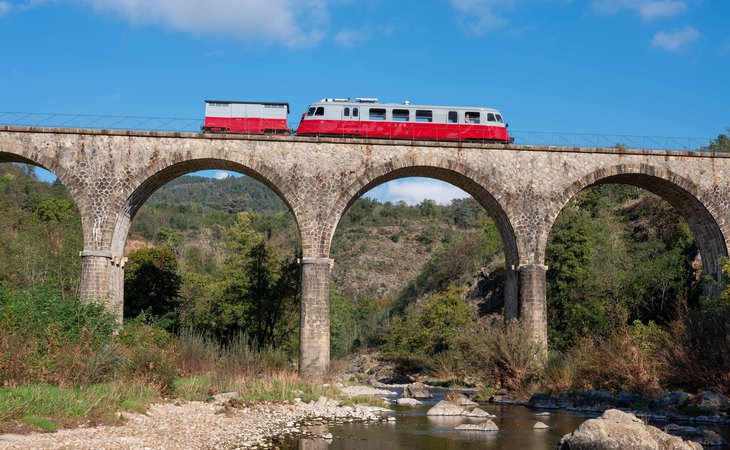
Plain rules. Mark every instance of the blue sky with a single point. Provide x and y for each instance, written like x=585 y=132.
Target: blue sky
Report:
x=645 y=67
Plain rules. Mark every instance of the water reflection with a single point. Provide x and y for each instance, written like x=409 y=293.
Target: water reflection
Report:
x=414 y=430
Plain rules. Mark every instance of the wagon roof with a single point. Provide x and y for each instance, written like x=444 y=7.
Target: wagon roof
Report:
x=250 y=103
x=401 y=105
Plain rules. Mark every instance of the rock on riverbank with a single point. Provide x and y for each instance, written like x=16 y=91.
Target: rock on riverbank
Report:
x=618 y=430
x=192 y=425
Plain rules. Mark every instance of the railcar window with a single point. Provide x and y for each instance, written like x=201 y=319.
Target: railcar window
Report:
x=377 y=114
x=424 y=115
x=311 y=111
x=355 y=112
x=499 y=119
x=401 y=115
x=347 y=112
x=319 y=111
x=471 y=117
x=218 y=104
x=491 y=118
x=453 y=117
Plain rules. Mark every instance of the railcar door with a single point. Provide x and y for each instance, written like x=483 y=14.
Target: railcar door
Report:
x=351 y=120
x=355 y=121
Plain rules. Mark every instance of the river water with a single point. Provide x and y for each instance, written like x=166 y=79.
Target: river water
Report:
x=412 y=430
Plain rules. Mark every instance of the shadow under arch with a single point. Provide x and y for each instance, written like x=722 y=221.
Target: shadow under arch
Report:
x=466 y=182
x=700 y=214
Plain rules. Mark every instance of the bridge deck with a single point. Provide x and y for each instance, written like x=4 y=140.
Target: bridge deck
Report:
x=363 y=141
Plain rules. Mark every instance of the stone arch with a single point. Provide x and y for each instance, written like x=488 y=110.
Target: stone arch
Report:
x=703 y=216
x=451 y=172
x=461 y=177
x=150 y=181
x=68 y=179
x=157 y=176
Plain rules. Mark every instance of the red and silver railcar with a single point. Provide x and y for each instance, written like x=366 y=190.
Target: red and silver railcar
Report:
x=245 y=117
x=367 y=117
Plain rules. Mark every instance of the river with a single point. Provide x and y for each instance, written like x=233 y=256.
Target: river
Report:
x=412 y=430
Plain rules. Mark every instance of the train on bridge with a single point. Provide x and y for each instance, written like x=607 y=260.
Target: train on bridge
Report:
x=359 y=117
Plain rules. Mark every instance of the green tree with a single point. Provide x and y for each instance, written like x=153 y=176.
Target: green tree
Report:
x=152 y=284
x=430 y=327
x=721 y=144
x=344 y=329
x=261 y=289
x=575 y=305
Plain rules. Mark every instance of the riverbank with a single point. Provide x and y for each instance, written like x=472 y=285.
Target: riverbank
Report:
x=226 y=422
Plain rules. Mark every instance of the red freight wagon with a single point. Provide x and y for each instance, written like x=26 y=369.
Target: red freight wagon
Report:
x=245 y=117
x=368 y=118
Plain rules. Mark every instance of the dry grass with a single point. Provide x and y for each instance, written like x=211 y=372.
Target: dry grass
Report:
x=700 y=357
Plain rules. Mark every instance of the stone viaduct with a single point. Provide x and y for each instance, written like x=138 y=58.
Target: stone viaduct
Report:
x=110 y=174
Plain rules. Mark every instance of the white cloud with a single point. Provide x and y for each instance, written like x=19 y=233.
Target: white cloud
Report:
x=7 y=7
x=481 y=16
x=675 y=41
x=646 y=9
x=353 y=37
x=415 y=190
x=221 y=174
x=293 y=23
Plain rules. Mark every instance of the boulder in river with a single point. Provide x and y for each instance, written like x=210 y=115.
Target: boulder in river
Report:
x=477 y=412
x=487 y=425
x=713 y=401
x=417 y=390
x=463 y=400
x=544 y=401
x=702 y=436
x=674 y=400
x=445 y=408
x=616 y=430
x=408 y=402
x=539 y=426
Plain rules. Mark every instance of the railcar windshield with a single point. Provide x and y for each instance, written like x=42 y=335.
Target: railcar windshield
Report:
x=499 y=119
x=311 y=111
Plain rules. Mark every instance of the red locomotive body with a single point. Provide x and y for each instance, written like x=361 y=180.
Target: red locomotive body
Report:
x=368 y=118
x=246 y=117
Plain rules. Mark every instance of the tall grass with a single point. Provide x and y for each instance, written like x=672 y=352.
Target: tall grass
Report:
x=496 y=354
x=42 y=400
x=236 y=365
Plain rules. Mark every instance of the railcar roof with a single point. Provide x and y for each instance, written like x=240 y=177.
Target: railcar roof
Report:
x=250 y=103
x=401 y=105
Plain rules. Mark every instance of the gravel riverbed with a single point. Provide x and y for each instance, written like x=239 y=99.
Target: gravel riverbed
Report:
x=225 y=424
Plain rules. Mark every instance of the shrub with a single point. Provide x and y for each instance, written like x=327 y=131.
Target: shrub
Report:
x=149 y=356
x=559 y=373
x=503 y=354
x=196 y=352
x=48 y=338
x=615 y=363
x=429 y=327
x=700 y=357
